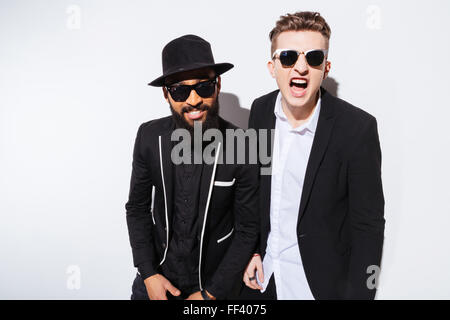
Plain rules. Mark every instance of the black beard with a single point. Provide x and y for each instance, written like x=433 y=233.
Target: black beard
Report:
x=211 y=121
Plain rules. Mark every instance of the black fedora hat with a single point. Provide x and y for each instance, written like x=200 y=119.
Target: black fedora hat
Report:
x=187 y=53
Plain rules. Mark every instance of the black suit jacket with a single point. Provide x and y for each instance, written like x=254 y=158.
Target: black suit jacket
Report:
x=341 y=216
x=228 y=217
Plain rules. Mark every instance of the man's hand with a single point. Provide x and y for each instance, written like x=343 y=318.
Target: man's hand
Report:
x=157 y=286
x=195 y=296
x=255 y=265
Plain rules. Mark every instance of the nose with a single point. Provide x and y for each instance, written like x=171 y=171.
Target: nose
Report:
x=301 y=66
x=194 y=99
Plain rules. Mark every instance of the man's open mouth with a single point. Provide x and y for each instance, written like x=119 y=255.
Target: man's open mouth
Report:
x=298 y=87
x=299 y=83
x=195 y=114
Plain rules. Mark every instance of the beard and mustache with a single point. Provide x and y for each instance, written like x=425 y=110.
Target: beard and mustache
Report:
x=211 y=120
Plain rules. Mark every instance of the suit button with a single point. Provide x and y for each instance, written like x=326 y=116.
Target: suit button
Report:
x=164 y=245
x=302 y=235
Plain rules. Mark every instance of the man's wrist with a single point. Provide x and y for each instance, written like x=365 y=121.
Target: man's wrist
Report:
x=206 y=295
x=146 y=270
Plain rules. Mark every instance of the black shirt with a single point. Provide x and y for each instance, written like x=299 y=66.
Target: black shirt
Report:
x=181 y=265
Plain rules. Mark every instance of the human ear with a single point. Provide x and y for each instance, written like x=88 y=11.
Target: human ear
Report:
x=218 y=84
x=271 y=68
x=166 y=94
x=327 y=69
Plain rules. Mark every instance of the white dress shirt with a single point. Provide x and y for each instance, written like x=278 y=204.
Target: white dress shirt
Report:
x=292 y=147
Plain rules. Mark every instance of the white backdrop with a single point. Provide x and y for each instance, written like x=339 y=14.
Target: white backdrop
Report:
x=73 y=92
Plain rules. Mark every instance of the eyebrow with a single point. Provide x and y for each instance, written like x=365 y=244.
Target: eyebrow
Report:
x=180 y=83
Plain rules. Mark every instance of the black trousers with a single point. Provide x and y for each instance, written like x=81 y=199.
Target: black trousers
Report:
x=269 y=294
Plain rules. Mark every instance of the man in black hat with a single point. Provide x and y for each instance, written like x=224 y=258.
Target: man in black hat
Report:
x=192 y=226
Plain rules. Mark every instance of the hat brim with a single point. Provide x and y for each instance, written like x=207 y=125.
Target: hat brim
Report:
x=219 y=68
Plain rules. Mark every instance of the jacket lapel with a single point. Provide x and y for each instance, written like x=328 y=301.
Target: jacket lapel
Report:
x=319 y=146
x=266 y=179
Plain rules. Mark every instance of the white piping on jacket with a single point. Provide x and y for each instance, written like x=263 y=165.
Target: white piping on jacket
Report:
x=204 y=218
x=224 y=183
x=223 y=238
x=153 y=204
x=165 y=203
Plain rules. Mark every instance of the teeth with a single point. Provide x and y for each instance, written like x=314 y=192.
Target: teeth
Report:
x=194 y=112
x=299 y=81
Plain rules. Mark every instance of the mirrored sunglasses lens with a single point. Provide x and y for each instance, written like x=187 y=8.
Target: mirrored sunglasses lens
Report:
x=315 y=58
x=288 y=57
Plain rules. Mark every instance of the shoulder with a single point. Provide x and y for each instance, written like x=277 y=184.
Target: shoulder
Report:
x=149 y=132
x=156 y=126
x=348 y=115
x=266 y=101
x=353 y=126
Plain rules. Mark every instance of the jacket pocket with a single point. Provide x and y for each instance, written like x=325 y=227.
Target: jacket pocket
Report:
x=224 y=183
x=226 y=236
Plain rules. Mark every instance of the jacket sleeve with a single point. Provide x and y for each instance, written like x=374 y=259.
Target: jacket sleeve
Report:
x=251 y=118
x=366 y=213
x=138 y=211
x=252 y=126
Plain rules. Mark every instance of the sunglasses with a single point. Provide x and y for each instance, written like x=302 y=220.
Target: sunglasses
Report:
x=289 y=57
x=180 y=92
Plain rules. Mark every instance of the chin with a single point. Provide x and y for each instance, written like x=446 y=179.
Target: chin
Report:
x=306 y=100
x=297 y=102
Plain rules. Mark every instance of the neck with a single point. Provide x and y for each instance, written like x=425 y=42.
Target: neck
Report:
x=299 y=115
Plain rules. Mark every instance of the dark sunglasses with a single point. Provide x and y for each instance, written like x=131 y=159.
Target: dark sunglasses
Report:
x=289 y=57
x=180 y=92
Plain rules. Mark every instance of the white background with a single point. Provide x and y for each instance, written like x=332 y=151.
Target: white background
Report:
x=73 y=93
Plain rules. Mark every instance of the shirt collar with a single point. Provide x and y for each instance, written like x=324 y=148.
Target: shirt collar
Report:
x=310 y=125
